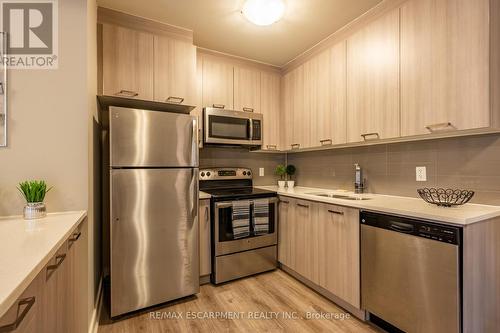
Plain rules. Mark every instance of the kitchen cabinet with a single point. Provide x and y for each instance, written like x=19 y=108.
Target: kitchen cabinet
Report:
x=127 y=62
x=270 y=89
x=174 y=71
x=325 y=96
x=373 y=80
x=296 y=116
x=56 y=300
x=444 y=66
x=217 y=85
x=205 y=238
x=338 y=243
x=247 y=93
x=286 y=111
x=285 y=228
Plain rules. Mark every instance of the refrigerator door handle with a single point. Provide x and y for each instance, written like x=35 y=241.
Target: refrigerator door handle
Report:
x=193 y=191
x=194 y=142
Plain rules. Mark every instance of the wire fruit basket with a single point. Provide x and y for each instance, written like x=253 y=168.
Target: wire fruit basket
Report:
x=445 y=197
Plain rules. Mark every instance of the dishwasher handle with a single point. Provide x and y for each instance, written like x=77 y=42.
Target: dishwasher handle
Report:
x=402 y=227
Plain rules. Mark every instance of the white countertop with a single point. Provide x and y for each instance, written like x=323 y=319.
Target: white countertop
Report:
x=26 y=247
x=204 y=195
x=404 y=206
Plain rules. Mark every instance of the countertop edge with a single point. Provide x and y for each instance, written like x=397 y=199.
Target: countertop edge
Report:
x=462 y=222
x=6 y=304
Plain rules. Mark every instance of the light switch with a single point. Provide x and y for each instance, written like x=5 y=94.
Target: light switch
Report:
x=421 y=174
x=261 y=172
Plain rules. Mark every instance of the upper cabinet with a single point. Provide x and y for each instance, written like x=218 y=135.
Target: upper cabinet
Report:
x=217 y=86
x=174 y=71
x=444 y=65
x=270 y=87
x=247 y=93
x=127 y=62
x=373 y=80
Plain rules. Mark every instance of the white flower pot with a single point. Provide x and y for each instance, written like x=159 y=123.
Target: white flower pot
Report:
x=290 y=183
x=281 y=183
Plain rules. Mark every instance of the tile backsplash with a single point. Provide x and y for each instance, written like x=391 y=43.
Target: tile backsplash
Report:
x=239 y=157
x=466 y=163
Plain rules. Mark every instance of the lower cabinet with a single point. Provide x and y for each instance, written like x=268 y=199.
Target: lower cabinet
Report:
x=205 y=240
x=321 y=243
x=56 y=300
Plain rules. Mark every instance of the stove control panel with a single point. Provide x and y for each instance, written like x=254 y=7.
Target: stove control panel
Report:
x=225 y=173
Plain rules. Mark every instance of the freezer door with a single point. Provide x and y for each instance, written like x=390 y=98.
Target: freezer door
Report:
x=142 y=138
x=154 y=237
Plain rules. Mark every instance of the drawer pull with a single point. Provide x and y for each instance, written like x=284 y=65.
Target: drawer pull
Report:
x=175 y=100
x=440 y=127
x=367 y=136
x=285 y=202
x=295 y=145
x=28 y=302
x=52 y=268
x=271 y=147
x=248 y=109
x=73 y=239
x=127 y=93
x=325 y=142
x=302 y=205
x=335 y=212
x=218 y=106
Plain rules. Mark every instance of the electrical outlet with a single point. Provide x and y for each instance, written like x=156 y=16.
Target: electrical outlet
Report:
x=421 y=173
x=261 y=172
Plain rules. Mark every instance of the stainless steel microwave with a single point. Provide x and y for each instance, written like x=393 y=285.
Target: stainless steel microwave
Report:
x=227 y=127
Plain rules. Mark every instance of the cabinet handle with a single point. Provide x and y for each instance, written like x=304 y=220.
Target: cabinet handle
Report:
x=2 y=90
x=302 y=205
x=29 y=302
x=367 y=135
x=207 y=218
x=74 y=238
x=335 y=212
x=218 y=106
x=127 y=93
x=295 y=145
x=285 y=202
x=248 y=109
x=325 y=142
x=271 y=147
x=175 y=100
x=52 y=268
x=440 y=127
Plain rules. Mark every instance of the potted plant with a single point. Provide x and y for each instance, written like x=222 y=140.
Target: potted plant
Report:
x=290 y=171
x=34 y=192
x=281 y=171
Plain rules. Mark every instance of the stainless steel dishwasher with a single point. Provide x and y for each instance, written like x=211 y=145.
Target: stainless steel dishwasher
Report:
x=411 y=273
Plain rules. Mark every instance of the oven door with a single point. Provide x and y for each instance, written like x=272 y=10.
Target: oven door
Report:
x=232 y=127
x=223 y=229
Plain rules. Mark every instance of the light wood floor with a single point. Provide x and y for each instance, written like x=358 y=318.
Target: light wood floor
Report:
x=272 y=294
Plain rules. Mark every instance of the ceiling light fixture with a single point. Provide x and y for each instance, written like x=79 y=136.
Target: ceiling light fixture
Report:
x=263 y=12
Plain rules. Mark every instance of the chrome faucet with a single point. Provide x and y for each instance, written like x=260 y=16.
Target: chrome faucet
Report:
x=359 y=181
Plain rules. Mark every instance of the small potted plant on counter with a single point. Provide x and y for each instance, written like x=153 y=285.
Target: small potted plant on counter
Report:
x=290 y=171
x=34 y=192
x=281 y=171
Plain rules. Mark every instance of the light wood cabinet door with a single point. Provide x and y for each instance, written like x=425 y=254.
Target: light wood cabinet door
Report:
x=127 y=62
x=444 y=65
x=217 y=84
x=373 y=80
x=287 y=110
x=285 y=225
x=247 y=89
x=174 y=71
x=338 y=242
x=78 y=278
x=270 y=88
x=326 y=96
x=301 y=116
x=304 y=245
x=205 y=239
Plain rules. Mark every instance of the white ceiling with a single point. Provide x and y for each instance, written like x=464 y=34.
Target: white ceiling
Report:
x=219 y=24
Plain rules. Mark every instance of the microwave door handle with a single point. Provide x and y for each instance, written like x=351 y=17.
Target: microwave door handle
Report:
x=251 y=129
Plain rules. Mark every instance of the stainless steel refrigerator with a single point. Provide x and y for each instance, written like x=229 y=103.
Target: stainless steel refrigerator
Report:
x=153 y=231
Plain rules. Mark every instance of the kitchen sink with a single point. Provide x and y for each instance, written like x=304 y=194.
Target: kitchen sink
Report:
x=339 y=196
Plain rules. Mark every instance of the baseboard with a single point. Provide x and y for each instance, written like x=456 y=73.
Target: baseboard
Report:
x=358 y=313
x=94 y=320
x=205 y=279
